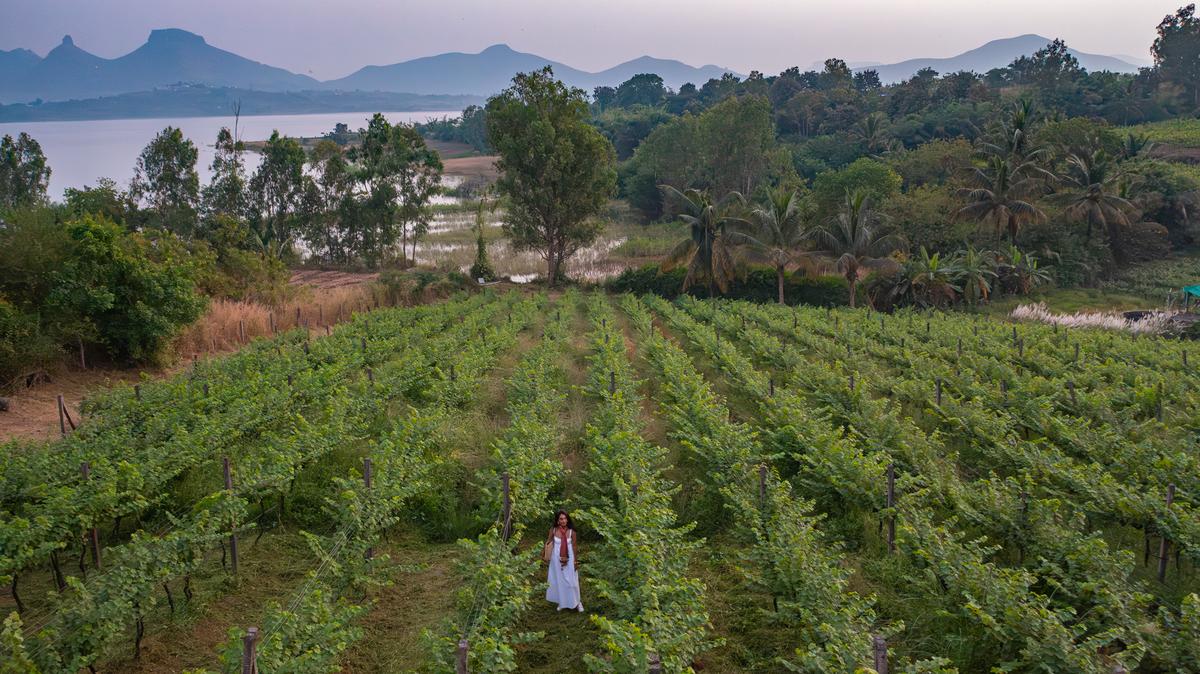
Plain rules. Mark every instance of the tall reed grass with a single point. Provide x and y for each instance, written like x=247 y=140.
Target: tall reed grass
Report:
x=1155 y=323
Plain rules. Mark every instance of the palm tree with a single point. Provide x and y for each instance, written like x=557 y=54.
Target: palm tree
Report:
x=855 y=238
x=1018 y=272
x=708 y=252
x=932 y=279
x=999 y=193
x=872 y=131
x=1093 y=195
x=777 y=229
x=975 y=271
x=1010 y=138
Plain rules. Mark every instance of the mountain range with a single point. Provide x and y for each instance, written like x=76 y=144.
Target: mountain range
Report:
x=995 y=54
x=172 y=59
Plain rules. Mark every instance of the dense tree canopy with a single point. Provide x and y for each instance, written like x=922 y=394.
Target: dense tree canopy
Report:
x=24 y=175
x=556 y=170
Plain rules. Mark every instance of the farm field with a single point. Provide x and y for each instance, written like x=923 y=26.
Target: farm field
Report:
x=758 y=488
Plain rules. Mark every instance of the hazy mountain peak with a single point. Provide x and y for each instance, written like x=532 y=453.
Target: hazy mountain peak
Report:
x=995 y=54
x=498 y=48
x=174 y=36
x=67 y=41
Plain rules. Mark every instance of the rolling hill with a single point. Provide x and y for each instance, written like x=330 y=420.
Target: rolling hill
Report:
x=490 y=71
x=994 y=54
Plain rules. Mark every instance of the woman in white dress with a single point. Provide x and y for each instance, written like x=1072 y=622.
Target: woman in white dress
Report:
x=563 y=574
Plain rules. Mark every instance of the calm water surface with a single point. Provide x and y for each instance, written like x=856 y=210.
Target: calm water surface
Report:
x=81 y=152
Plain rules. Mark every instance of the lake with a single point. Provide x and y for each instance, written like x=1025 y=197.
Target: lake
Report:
x=80 y=152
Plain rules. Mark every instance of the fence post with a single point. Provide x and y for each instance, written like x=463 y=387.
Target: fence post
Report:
x=960 y=347
x=233 y=548
x=1071 y=388
x=851 y=381
x=453 y=374
x=62 y=420
x=506 y=530
x=242 y=331
x=460 y=663
x=937 y=384
x=1164 y=546
x=271 y=320
x=321 y=314
x=891 y=503
x=94 y=535
x=612 y=382
x=137 y=391
x=297 y=317
x=771 y=384
x=879 y=651
x=250 y=651
x=367 y=486
x=762 y=486
x=1076 y=352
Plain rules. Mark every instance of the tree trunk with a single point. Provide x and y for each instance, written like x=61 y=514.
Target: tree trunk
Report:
x=779 y=279
x=853 y=280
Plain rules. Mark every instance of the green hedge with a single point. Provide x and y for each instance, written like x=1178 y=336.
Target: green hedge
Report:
x=758 y=286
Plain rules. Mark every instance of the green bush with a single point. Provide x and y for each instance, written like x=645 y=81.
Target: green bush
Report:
x=23 y=346
x=90 y=282
x=757 y=286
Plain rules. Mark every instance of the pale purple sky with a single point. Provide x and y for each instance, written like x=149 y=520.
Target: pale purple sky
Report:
x=328 y=39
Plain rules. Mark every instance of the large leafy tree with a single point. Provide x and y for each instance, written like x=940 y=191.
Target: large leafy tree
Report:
x=277 y=195
x=855 y=238
x=331 y=232
x=24 y=175
x=401 y=174
x=999 y=194
x=643 y=89
x=777 y=230
x=708 y=252
x=165 y=180
x=557 y=171
x=1177 y=51
x=225 y=194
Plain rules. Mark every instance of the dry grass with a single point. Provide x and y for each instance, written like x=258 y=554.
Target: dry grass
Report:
x=228 y=324
x=1153 y=324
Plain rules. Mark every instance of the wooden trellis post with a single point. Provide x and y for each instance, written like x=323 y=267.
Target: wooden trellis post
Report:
x=879 y=652
x=1164 y=546
x=250 y=651
x=891 y=503
x=460 y=662
x=762 y=486
x=94 y=534
x=367 y=486
x=506 y=513
x=233 y=546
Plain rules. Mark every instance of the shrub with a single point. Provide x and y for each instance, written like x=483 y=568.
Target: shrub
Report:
x=131 y=293
x=23 y=345
x=758 y=285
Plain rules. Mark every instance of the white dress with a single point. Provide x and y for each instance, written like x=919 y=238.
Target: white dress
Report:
x=563 y=581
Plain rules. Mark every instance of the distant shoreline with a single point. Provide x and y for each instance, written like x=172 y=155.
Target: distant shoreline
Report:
x=197 y=101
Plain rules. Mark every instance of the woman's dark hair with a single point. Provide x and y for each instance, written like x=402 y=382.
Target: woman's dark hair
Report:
x=560 y=513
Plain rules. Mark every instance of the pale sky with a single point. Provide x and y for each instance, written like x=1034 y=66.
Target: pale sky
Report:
x=328 y=39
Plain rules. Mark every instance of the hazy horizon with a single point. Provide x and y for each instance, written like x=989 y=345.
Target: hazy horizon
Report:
x=301 y=35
